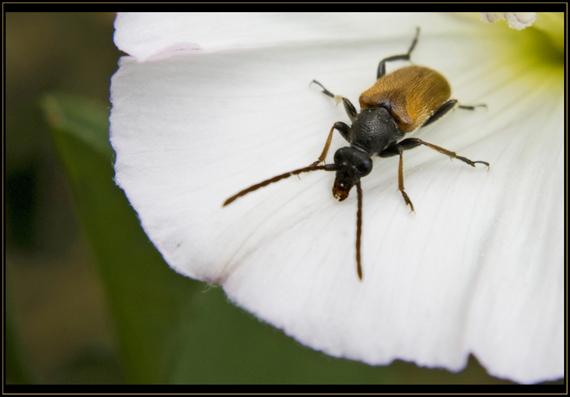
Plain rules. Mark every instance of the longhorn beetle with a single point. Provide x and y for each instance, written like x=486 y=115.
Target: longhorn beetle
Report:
x=397 y=104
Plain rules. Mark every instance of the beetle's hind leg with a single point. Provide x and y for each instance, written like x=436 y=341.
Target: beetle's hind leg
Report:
x=442 y=111
x=446 y=107
x=404 y=57
x=473 y=107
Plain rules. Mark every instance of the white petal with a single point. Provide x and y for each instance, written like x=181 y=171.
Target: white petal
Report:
x=520 y=20
x=154 y=36
x=492 y=17
x=479 y=267
x=516 y=20
x=517 y=291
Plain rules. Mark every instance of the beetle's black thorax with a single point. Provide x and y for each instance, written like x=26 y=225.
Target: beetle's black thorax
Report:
x=373 y=130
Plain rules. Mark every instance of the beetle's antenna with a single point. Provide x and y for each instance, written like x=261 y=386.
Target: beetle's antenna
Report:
x=312 y=167
x=358 y=230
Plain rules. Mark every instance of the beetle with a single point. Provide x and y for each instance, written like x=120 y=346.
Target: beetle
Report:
x=397 y=104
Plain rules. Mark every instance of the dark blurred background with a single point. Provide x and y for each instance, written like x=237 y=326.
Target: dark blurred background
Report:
x=56 y=312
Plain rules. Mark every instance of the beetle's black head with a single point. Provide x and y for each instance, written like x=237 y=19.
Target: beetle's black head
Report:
x=352 y=164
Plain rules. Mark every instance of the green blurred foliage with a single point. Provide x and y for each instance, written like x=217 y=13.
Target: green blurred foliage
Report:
x=146 y=298
x=55 y=306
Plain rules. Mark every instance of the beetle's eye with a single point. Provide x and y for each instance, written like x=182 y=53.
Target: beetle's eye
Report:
x=364 y=167
x=340 y=156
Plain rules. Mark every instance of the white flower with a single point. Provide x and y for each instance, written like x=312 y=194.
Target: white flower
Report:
x=516 y=20
x=206 y=105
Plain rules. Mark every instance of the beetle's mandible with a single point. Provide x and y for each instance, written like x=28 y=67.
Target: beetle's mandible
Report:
x=397 y=104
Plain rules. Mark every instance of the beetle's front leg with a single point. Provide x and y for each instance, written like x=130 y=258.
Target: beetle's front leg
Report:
x=343 y=129
x=348 y=106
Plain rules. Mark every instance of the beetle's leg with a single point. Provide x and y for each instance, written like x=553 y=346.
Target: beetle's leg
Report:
x=439 y=113
x=401 y=182
x=446 y=107
x=348 y=106
x=411 y=143
x=343 y=129
x=404 y=57
x=350 y=109
x=473 y=107
x=396 y=149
